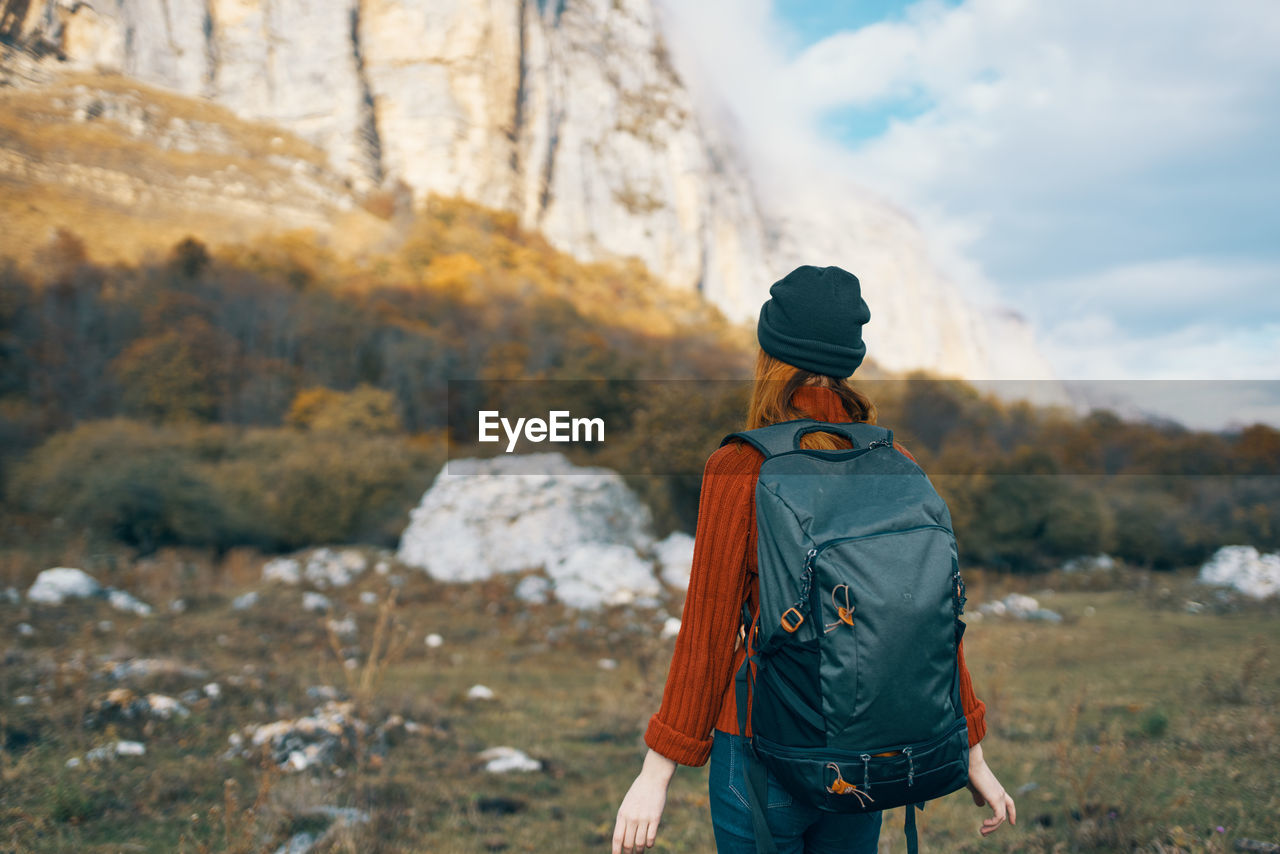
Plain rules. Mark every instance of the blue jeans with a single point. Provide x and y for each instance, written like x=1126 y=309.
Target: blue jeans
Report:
x=796 y=827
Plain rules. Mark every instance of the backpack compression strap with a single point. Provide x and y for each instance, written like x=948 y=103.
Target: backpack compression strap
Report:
x=753 y=770
x=784 y=437
x=909 y=828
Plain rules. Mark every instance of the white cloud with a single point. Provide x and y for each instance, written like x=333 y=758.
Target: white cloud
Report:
x=1167 y=294
x=1108 y=165
x=1094 y=347
x=1062 y=97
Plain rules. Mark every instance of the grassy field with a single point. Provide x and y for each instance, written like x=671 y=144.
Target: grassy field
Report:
x=1132 y=725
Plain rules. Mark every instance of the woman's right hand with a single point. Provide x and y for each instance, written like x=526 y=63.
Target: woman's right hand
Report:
x=987 y=791
x=641 y=811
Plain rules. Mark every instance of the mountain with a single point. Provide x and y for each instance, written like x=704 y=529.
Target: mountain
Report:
x=570 y=113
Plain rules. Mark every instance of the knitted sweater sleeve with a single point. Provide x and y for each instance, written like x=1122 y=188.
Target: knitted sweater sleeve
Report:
x=702 y=663
x=975 y=711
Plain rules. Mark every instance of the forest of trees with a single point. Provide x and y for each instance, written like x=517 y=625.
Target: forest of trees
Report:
x=276 y=395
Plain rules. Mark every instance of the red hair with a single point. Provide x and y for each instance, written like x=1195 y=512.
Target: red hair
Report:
x=776 y=381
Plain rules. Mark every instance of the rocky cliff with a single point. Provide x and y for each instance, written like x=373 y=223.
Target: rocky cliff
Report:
x=568 y=112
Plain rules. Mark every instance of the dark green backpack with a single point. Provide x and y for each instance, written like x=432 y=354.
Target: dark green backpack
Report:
x=851 y=678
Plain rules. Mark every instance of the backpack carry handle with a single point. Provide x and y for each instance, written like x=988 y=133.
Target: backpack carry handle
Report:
x=859 y=441
x=784 y=437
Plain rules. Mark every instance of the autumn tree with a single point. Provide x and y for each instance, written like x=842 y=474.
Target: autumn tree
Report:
x=177 y=374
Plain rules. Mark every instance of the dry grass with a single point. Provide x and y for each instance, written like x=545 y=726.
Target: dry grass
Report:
x=1108 y=727
x=233 y=826
x=386 y=648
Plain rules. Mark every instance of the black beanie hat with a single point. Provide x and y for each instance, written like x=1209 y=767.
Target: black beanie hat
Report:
x=813 y=320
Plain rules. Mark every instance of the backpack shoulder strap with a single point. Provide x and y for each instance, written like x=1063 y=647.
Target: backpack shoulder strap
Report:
x=783 y=437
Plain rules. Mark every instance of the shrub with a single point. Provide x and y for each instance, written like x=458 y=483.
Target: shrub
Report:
x=1154 y=724
x=325 y=487
x=150 y=485
x=124 y=480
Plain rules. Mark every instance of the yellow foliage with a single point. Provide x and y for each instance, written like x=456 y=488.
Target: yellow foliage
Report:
x=365 y=409
x=308 y=404
x=454 y=273
x=463 y=247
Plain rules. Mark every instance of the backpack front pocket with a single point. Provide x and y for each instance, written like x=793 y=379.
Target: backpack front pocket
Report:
x=850 y=781
x=883 y=609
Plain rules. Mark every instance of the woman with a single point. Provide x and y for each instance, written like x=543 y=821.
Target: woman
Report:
x=810 y=334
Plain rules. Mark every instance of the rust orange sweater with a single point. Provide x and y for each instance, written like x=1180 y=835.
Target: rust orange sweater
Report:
x=699 y=693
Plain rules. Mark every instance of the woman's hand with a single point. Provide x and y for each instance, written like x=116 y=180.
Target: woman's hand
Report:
x=641 y=810
x=987 y=791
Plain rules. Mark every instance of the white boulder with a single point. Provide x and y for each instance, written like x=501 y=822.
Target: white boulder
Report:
x=1019 y=606
x=333 y=567
x=320 y=739
x=581 y=525
x=675 y=557
x=316 y=602
x=123 y=703
x=1091 y=563
x=322 y=568
x=285 y=570
x=533 y=589
x=345 y=628
x=166 y=707
x=299 y=843
x=480 y=692
x=501 y=760
x=122 y=601
x=119 y=748
x=1244 y=569
x=596 y=574
x=57 y=585
x=245 y=601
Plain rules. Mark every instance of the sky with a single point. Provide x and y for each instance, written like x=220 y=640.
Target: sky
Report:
x=1108 y=169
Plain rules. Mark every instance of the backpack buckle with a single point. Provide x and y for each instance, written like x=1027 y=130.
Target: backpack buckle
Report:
x=795 y=621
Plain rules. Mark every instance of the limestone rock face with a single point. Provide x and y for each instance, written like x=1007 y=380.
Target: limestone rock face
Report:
x=567 y=112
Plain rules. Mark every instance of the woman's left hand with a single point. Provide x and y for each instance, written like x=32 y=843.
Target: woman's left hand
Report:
x=987 y=792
